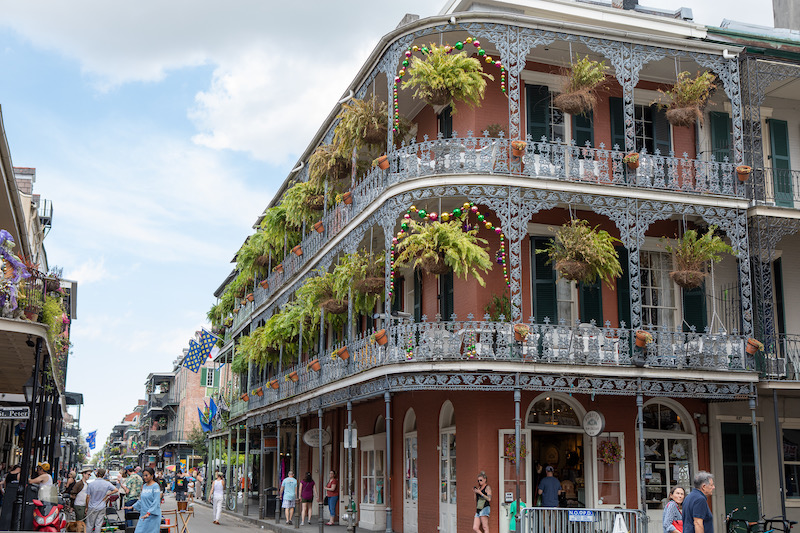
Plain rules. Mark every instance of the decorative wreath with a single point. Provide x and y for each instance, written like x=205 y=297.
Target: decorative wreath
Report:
x=511 y=449
x=610 y=452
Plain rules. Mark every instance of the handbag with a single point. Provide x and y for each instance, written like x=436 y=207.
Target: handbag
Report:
x=325 y=500
x=678 y=524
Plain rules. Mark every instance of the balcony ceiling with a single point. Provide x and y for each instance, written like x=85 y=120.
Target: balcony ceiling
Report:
x=16 y=357
x=789 y=89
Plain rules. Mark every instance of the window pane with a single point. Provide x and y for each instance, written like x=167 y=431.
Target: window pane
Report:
x=791 y=444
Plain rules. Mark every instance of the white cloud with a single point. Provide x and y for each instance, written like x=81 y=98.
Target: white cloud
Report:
x=90 y=271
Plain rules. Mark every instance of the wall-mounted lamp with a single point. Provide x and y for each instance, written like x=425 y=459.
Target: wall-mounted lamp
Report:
x=27 y=390
x=29 y=341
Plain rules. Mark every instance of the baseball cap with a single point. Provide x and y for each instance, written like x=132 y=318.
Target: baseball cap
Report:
x=548 y=469
x=44 y=466
x=129 y=468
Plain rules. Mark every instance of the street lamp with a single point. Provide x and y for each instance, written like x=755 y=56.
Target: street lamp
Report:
x=27 y=389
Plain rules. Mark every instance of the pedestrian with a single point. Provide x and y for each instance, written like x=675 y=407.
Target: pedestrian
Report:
x=549 y=488
x=68 y=486
x=483 y=504
x=308 y=493
x=98 y=493
x=119 y=482
x=180 y=487
x=697 y=517
x=79 y=493
x=332 y=494
x=198 y=486
x=288 y=495
x=190 y=490
x=218 y=495
x=149 y=504
x=673 y=515
x=10 y=477
x=161 y=483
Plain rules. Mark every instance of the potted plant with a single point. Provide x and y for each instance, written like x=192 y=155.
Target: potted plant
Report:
x=274 y=384
x=330 y=162
x=347 y=197
x=313 y=365
x=292 y=376
x=754 y=346
x=364 y=270
x=583 y=253
x=319 y=227
x=298 y=250
x=743 y=172
x=439 y=247
x=259 y=391
x=518 y=148
x=521 y=332
x=443 y=76
x=250 y=297
x=278 y=268
x=381 y=162
x=245 y=397
x=302 y=202
x=632 y=160
x=380 y=337
x=688 y=97
x=342 y=353
x=643 y=338
x=264 y=284
x=583 y=78
x=361 y=123
x=693 y=254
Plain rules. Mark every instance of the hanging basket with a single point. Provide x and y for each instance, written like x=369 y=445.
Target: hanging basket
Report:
x=369 y=285
x=375 y=133
x=439 y=97
x=262 y=260
x=334 y=306
x=434 y=265
x=688 y=279
x=684 y=116
x=315 y=202
x=574 y=270
x=575 y=103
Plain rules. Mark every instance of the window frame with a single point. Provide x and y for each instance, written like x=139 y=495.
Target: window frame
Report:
x=372 y=444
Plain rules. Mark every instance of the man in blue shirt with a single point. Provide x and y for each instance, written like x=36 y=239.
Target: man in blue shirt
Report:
x=549 y=489
x=697 y=517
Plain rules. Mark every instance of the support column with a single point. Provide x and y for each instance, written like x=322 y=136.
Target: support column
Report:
x=19 y=502
x=387 y=398
x=245 y=472
x=278 y=462
x=517 y=436
x=350 y=505
x=297 y=462
x=321 y=487
x=640 y=426
x=779 y=444
x=229 y=471
x=756 y=455
x=261 y=475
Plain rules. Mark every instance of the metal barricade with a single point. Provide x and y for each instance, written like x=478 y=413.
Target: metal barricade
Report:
x=558 y=520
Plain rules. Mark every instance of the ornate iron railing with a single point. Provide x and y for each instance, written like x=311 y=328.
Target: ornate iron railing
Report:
x=579 y=345
x=781 y=357
x=172 y=437
x=776 y=186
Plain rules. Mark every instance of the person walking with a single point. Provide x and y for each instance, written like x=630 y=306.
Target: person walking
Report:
x=288 y=495
x=483 y=504
x=332 y=493
x=549 y=488
x=149 y=504
x=97 y=494
x=218 y=496
x=673 y=516
x=79 y=494
x=308 y=493
x=68 y=488
x=697 y=517
x=133 y=486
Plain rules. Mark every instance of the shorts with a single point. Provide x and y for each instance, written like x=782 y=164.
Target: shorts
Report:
x=287 y=504
x=180 y=496
x=483 y=512
x=307 y=500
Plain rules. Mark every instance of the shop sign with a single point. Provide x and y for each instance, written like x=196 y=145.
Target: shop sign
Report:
x=350 y=438
x=581 y=515
x=316 y=437
x=167 y=454
x=593 y=423
x=15 y=413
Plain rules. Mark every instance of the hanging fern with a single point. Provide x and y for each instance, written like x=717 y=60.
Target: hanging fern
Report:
x=353 y=272
x=583 y=253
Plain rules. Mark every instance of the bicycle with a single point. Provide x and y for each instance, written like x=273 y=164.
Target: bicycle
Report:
x=776 y=524
x=736 y=525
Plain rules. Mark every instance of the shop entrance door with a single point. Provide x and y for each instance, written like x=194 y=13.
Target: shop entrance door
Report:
x=506 y=491
x=567 y=453
x=410 y=483
x=447 y=479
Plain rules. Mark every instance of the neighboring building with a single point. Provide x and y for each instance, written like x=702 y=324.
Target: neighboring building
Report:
x=681 y=405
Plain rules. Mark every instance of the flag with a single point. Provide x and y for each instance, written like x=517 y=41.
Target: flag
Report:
x=203 y=423
x=91 y=439
x=193 y=360
x=213 y=410
x=208 y=344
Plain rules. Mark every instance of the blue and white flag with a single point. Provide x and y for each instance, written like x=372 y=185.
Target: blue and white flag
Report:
x=91 y=439
x=194 y=359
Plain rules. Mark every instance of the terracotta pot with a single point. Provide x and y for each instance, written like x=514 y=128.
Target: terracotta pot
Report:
x=294 y=377
x=347 y=197
x=245 y=397
x=633 y=165
x=33 y=316
x=279 y=268
x=381 y=337
x=517 y=153
x=343 y=353
x=319 y=227
x=264 y=284
x=518 y=337
x=641 y=339
x=751 y=348
x=250 y=297
x=274 y=384
x=314 y=365
x=743 y=176
x=298 y=250
x=259 y=391
x=383 y=162
x=235 y=310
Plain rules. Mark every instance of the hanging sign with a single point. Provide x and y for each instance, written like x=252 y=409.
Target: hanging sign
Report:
x=15 y=413
x=593 y=423
x=316 y=437
x=350 y=438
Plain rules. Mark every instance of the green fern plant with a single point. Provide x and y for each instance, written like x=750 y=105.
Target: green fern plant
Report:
x=694 y=253
x=277 y=228
x=688 y=97
x=361 y=123
x=296 y=202
x=584 y=253
x=330 y=162
x=441 y=77
x=444 y=244
x=583 y=77
x=354 y=271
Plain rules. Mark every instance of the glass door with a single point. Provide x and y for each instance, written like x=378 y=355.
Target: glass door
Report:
x=505 y=494
x=410 y=484
x=447 y=481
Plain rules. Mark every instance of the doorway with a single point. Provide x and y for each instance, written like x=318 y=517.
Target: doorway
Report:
x=739 y=470
x=448 y=510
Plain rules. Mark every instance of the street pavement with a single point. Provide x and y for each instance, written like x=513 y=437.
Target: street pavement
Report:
x=202 y=521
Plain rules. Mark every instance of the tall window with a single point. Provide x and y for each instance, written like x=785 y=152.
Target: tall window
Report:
x=566 y=300
x=659 y=304
x=553 y=412
x=651 y=129
x=210 y=377
x=543 y=118
x=791 y=462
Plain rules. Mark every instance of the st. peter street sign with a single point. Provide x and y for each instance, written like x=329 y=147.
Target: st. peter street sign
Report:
x=15 y=413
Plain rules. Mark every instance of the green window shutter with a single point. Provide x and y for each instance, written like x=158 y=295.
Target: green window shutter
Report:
x=537 y=103
x=624 y=288
x=582 y=129
x=779 y=142
x=216 y=378
x=694 y=309
x=780 y=310
x=545 y=303
x=617 y=123
x=591 y=302
x=203 y=376
x=720 y=124
x=399 y=294
x=446 y=123
x=446 y=295
x=662 y=140
x=417 y=296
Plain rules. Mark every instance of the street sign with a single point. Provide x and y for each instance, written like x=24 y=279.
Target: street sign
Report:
x=351 y=438
x=15 y=413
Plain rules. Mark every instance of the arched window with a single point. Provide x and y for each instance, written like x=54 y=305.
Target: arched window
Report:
x=553 y=411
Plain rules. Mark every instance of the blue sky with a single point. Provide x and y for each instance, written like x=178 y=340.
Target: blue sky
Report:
x=160 y=130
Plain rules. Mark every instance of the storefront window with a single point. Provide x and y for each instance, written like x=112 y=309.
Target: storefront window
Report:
x=447 y=492
x=411 y=467
x=791 y=462
x=554 y=412
x=373 y=468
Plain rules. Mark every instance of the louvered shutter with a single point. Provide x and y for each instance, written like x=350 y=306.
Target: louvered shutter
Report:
x=694 y=309
x=545 y=303
x=538 y=111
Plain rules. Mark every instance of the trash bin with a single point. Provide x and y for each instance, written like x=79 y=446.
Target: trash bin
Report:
x=270 y=501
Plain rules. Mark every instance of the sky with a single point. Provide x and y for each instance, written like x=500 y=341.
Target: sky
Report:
x=160 y=131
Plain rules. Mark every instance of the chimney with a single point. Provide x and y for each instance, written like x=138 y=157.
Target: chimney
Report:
x=786 y=14
x=629 y=4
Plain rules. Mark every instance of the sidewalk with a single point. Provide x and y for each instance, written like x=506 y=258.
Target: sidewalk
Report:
x=270 y=525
